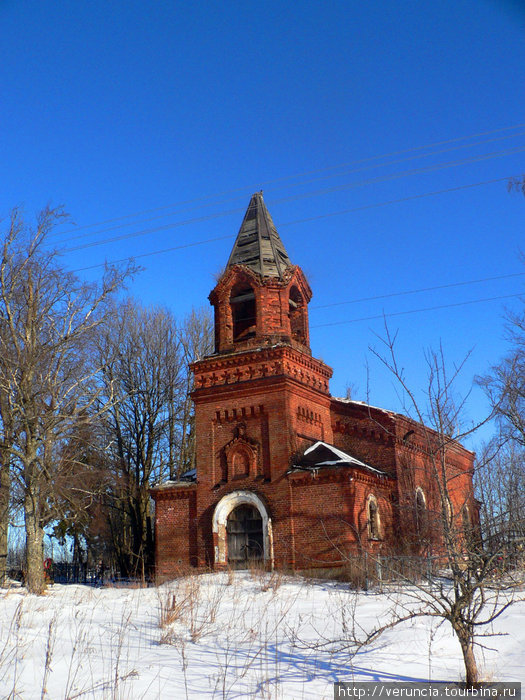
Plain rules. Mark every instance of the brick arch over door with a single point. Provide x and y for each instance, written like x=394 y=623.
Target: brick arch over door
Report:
x=220 y=516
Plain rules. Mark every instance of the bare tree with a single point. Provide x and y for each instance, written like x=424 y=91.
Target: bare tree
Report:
x=505 y=384
x=141 y=356
x=149 y=427
x=144 y=437
x=501 y=488
x=196 y=337
x=516 y=184
x=85 y=474
x=467 y=595
x=48 y=323
x=6 y=443
x=5 y=491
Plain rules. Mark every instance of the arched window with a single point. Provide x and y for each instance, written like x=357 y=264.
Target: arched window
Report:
x=420 y=512
x=374 y=530
x=407 y=437
x=244 y=312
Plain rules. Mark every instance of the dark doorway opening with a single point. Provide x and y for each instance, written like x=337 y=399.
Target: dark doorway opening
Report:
x=245 y=537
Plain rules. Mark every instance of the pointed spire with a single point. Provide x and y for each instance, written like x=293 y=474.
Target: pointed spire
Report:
x=258 y=244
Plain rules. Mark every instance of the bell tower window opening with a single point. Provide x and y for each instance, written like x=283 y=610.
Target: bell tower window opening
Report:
x=296 y=313
x=244 y=313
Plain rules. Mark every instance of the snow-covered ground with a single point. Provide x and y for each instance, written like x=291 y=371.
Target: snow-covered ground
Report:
x=226 y=636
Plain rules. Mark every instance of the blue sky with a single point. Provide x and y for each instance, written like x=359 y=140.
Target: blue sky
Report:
x=182 y=110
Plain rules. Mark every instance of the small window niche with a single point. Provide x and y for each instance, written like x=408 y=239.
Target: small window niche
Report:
x=421 y=513
x=374 y=528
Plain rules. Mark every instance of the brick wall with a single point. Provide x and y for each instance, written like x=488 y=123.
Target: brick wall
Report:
x=175 y=530
x=330 y=518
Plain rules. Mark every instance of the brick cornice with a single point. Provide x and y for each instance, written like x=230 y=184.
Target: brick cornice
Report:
x=376 y=433
x=252 y=365
x=172 y=491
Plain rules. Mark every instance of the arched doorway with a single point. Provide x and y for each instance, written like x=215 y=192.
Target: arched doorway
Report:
x=244 y=535
x=241 y=529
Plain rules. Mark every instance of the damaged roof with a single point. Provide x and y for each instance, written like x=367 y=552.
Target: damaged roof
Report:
x=258 y=245
x=322 y=455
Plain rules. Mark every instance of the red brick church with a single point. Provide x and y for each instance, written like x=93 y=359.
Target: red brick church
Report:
x=286 y=474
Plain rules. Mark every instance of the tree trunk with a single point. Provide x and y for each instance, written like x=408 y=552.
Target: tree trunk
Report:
x=35 y=582
x=5 y=487
x=471 y=667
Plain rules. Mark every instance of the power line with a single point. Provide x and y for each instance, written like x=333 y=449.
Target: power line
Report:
x=419 y=291
x=305 y=173
x=415 y=311
x=405 y=173
x=347 y=172
x=396 y=201
x=132 y=258
x=376 y=180
x=404 y=160
x=156 y=229
x=289 y=223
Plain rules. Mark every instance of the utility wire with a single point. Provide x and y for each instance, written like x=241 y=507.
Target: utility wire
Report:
x=396 y=201
x=416 y=311
x=132 y=258
x=311 y=172
x=346 y=172
x=404 y=173
x=363 y=183
x=404 y=160
x=290 y=223
x=419 y=291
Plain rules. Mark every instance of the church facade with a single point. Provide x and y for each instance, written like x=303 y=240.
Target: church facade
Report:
x=287 y=475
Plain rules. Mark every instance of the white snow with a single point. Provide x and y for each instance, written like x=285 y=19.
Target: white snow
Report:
x=364 y=403
x=243 y=635
x=341 y=457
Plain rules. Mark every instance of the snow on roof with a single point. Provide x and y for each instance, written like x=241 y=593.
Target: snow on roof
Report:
x=342 y=459
x=363 y=403
x=171 y=484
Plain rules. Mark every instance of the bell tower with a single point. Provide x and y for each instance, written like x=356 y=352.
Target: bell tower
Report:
x=261 y=397
x=261 y=298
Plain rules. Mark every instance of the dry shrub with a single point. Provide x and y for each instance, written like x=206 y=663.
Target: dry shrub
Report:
x=187 y=604
x=356 y=571
x=171 y=609
x=271 y=580
x=203 y=612
x=176 y=604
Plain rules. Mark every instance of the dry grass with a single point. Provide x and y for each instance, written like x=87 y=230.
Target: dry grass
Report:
x=186 y=602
